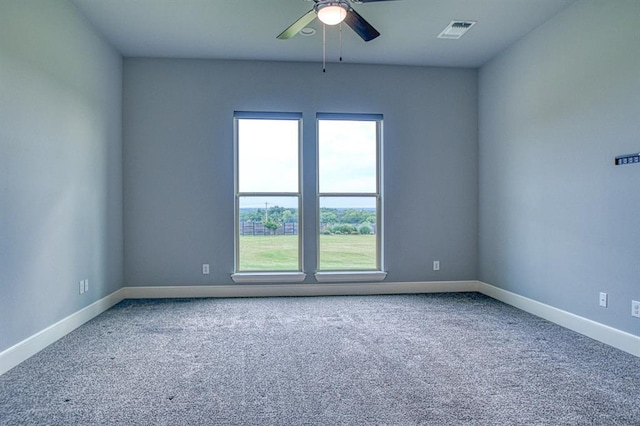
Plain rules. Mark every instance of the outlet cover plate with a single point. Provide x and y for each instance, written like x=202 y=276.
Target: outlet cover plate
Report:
x=635 y=308
x=603 y=300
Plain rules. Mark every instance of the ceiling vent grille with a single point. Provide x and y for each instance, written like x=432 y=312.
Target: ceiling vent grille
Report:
x=456 y=29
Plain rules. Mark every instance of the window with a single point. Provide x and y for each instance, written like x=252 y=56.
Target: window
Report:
x=267 y=194
x=268 y=197
x=349 y=195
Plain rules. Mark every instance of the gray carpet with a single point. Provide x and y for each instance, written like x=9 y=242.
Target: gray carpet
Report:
x=435 y=359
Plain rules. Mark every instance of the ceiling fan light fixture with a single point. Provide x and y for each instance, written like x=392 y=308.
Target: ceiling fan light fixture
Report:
x=331 y=13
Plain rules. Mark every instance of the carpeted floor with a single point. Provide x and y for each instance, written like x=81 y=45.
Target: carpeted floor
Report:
x=436 y=359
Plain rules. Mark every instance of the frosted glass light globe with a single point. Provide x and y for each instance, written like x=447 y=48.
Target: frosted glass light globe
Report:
x=332 y=14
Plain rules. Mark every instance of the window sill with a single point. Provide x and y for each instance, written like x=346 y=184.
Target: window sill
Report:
x=335 y=277
x=268 y=277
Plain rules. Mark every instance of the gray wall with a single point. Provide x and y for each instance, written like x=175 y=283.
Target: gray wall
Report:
x=60 y=166
x=558 y=221
x=178 y=161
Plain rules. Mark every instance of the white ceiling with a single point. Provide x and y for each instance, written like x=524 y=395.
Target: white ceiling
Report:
x=247 y=29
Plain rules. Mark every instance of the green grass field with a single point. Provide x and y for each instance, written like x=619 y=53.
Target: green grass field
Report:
x=280 y=252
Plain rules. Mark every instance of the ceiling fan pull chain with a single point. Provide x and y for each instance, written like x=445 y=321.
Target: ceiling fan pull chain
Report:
x=340 y=41
x=324 y=49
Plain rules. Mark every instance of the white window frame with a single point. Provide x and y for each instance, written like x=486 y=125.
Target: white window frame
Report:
x=379 y=273
x=269 y=275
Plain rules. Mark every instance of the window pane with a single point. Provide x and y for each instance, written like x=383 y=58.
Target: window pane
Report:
x=268 y=155
x=348 y=233
x=347 y=156
x=268 y=238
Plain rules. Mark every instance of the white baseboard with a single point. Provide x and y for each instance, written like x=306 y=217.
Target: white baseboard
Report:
x=277 y=290
x=611 y=336
x=21 y=351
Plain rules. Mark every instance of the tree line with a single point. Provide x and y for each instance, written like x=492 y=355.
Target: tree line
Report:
x=327 y=215
x=336 y=220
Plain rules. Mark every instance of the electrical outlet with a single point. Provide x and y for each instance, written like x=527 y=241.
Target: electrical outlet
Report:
x=86 y=285
x=205 y=269
x=82 y=287
x=436 y=265
x=603 y=299
x=635 y=308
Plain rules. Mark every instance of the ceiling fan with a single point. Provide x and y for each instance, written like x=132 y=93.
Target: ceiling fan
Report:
x=333 y=12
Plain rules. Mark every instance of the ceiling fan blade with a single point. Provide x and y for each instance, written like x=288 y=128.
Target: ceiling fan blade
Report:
x=358 y=24
x=298 y=25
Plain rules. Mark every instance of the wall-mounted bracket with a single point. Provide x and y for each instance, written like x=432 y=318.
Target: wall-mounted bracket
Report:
x=628 y=159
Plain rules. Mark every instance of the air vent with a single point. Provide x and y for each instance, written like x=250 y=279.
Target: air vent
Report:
x=456 y=29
